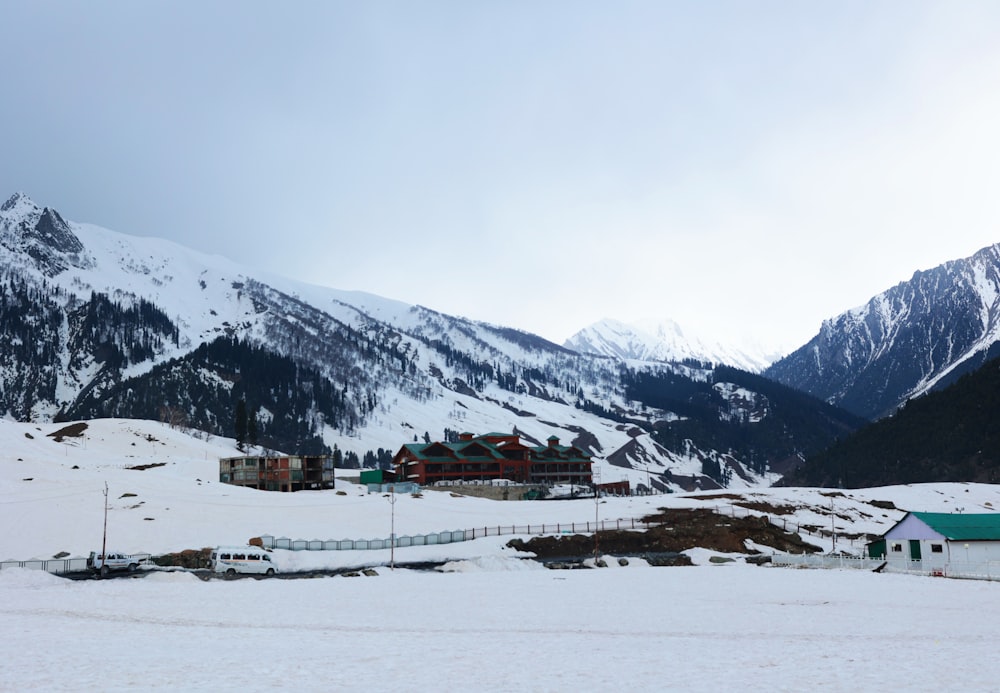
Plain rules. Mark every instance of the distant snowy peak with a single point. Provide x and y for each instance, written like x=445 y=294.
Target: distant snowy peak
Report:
x=661 y=340
x=41 y=234
x=613 y=338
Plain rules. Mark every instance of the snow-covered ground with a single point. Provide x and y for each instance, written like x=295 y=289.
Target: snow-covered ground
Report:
x=487 y=619
x=729 y=627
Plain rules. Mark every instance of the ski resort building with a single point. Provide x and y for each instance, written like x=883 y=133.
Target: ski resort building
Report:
x=940 y=542
x=492 y=456
x=288 y=473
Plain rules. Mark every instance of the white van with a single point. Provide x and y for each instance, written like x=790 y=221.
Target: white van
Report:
x=251 y=560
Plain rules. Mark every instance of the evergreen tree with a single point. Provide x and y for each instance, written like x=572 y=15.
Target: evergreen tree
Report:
x=241 y=424
x=252 y=426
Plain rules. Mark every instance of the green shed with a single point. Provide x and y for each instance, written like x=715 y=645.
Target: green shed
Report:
x=377 y=476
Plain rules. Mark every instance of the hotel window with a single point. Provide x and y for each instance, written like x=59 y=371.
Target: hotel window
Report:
x=937 y=548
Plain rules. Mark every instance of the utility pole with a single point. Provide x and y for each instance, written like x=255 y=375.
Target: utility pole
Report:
x=104 y=539
x=833 y=527
x=597 y=498
x=392 y=527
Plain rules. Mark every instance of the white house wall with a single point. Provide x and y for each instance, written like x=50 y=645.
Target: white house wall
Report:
x=975 y=552
x=900 y=555
x=955 y=556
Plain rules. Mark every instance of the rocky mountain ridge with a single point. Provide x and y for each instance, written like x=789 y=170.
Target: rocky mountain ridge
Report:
x=920 y=335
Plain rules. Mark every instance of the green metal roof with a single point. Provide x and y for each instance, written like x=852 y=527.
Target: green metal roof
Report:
x=491 y=451
x=963 y=526
x=422 y=451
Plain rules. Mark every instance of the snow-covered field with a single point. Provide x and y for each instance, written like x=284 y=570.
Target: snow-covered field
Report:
x=488 y=621
x=729 y=627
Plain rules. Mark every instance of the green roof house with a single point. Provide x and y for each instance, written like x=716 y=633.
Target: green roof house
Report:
x=945 y=543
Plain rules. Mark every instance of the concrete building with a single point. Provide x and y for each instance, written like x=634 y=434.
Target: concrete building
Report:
x=285 y=473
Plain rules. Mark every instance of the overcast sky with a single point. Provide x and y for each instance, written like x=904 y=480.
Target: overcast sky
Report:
x=744 y=168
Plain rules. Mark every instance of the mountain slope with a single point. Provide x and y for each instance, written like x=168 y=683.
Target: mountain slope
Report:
x=906 y=341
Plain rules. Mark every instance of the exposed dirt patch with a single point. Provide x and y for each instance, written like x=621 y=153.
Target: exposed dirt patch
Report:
x=151 y=465
x=683 y=529
x=72 y=431
x=760 y=506
x=717 y=496
x=769 y=508
x=515 y=410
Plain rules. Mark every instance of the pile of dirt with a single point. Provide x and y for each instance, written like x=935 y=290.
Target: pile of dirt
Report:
x=74 y=430
x=681 y=529
x=189 y=558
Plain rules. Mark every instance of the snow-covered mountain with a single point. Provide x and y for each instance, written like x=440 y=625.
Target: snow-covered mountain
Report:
x=664 y=340
x=917 y=336
x=96 y=323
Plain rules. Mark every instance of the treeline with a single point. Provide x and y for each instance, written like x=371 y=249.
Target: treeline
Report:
x=40 y=324
x=31 y=321
x=948 y=435
x=292 y=403
x=118 y=335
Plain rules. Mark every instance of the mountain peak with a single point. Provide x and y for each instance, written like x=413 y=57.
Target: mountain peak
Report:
x=18 y=205
x=40 y=233
x=661 y=340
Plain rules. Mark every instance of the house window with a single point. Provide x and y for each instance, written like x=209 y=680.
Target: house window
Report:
x=937 y=548
x=897 y=548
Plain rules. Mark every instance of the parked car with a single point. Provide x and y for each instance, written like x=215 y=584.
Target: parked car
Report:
x=114 y=561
